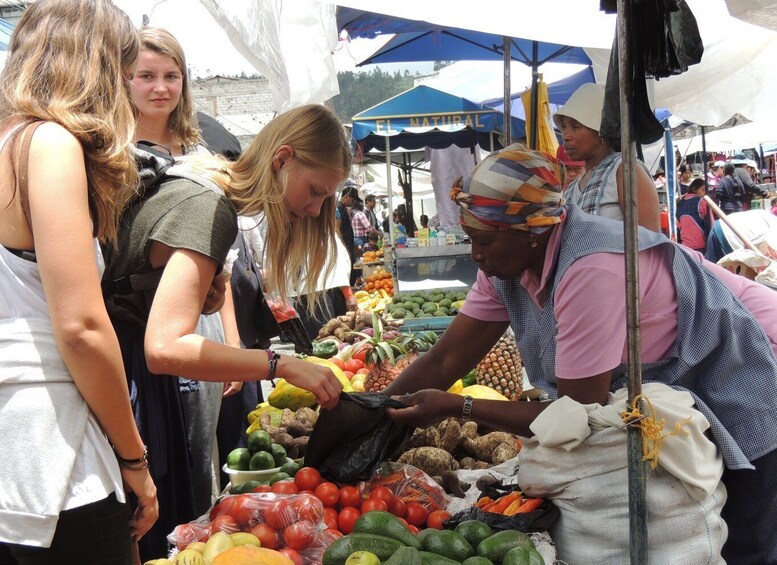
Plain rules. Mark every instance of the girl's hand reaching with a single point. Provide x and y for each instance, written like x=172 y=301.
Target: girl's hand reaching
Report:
x=321 y=381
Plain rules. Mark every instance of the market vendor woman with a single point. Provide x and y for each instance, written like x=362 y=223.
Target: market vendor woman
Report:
x=556 y=275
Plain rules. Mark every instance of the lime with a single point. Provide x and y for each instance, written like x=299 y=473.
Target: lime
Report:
x=278 y=453
x=362 y=558
x=259 y=440
x=278 y=477
x=261 y=461
x=291 y=468
x=239 y=459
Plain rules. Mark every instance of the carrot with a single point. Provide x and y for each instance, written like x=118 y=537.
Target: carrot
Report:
x=505 y=501
x=513 y=508
x=530 y=505
x=487 y=507
x=483 y=501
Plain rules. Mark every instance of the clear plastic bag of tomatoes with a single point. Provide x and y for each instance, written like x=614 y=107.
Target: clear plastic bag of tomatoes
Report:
x=410 y=484
x=278 y=521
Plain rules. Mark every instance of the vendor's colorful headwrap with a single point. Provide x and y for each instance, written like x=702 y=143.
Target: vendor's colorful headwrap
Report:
x=516 y=188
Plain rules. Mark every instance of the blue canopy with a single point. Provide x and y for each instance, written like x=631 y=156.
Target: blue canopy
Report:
x=424 y=116
x=452 y=44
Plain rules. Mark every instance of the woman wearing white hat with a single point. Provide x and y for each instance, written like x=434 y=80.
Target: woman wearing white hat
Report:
x=599 y=190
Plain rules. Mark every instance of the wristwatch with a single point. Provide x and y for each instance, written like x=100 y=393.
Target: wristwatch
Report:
x=272 y=364
x=467 y=410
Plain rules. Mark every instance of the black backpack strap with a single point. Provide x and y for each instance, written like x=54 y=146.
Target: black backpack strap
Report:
x=135 y=283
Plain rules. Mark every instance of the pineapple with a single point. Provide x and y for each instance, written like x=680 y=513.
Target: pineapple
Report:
x=501 y=368
x=388 y=357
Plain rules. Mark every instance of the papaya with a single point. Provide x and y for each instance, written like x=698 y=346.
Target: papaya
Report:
x=286 y=395
x=335 y=369
x=405 y=556
x=524 y=555
x=482 y=392
x=251 y=555
x=448 y=544
x=494 y=547
x=474 y=531
x=456 y=387
x=339 y=550
x=217 y=544
x=383 y=523
x=429 y=558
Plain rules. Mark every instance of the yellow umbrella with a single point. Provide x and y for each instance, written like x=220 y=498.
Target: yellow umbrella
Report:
x=546 y=138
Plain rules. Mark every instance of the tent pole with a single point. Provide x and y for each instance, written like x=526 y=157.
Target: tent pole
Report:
x=704 y=158
x=637 y=468
x=388 y=188
x=534 y=87
x=671 y=180
x=508 y=121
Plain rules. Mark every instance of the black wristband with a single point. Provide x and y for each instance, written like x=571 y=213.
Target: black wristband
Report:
x=134 y=464
x=272 y=364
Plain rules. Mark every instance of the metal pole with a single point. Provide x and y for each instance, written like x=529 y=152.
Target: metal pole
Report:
x=388 y=188
x=671 y=181
x=534 y=88
x=636 y=466
x=704 y=158
x=508 y=120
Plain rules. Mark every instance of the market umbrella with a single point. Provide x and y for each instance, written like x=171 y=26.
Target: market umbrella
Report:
x=545 y=139
x=424 y=41
x=6 y=29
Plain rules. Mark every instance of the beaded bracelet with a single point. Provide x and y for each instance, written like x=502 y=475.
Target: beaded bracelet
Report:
x=134 y=464
x=272 y=364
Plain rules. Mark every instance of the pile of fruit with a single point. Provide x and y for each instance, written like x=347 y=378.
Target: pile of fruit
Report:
x=372 y=256
x=379 y=537
x=430 y=304
x=373 y=300
x=379 y=279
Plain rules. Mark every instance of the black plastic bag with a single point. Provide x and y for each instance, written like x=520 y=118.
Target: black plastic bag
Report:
x=538 y=520
x=349 y=441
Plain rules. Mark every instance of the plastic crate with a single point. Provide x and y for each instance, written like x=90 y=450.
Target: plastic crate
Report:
x=437 y=324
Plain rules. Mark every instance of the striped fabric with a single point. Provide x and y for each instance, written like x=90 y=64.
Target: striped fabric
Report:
x=515 y=188
x=732 y=372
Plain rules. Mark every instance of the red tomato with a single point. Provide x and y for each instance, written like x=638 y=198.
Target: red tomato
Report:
x=285 y=487
x=268 y=537
x=244 y=509
x=416 y=514
x=436 y=518
x=333 y=533
x=330 y=518
x=374 y=504
x=361 y=353
x=338 y=362
x=413 y=529
x=398 y=507
x=307 y=478
x=353 y=365
x=348 y=375
x=328 y=493
x=347 y=518
x=293 y=555
x=279 y=514
x=384 y=493
x=299 y=535
x=224 y=523
x=223 y=507
x=262 y=488
x=350 y=496
x=185 y=534
x=308 y=507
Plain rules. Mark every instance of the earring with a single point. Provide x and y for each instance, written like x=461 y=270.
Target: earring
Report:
x=534 y=244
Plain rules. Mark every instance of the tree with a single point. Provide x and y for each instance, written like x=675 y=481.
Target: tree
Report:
x=362 y=90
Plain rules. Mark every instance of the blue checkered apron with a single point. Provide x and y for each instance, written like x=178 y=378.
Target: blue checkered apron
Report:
x=731 y=372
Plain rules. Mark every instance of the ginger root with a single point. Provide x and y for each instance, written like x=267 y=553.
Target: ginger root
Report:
x=431 y=460
x=450 y=435
x=483 y=447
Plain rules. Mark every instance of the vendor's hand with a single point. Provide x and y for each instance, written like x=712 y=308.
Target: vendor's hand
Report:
x=232 y=388
x=321 y=381
x=214 y=300
x=147 y=512
x=426 y=407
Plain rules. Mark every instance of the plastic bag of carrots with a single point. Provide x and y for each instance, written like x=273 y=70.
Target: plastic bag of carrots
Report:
x=505 y=508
